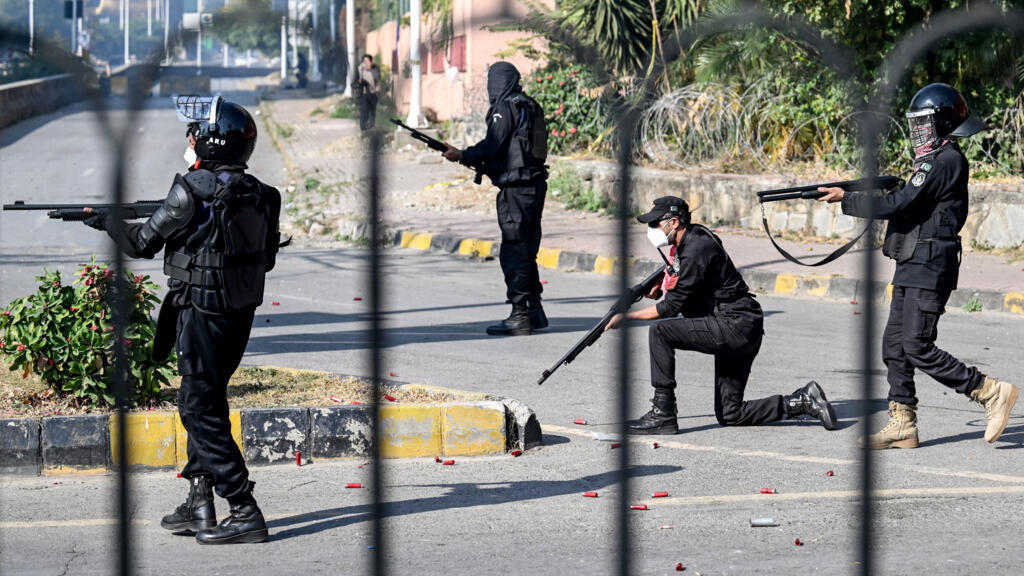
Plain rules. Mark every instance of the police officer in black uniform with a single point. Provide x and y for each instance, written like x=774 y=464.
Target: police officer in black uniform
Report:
x=512 y=155
x=925 y=218
x=708 y=308
x=218 y=228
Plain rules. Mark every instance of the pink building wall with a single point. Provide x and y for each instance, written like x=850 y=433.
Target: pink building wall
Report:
x=468 y=91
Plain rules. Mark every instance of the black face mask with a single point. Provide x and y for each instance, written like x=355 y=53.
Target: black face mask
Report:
x=502 y=81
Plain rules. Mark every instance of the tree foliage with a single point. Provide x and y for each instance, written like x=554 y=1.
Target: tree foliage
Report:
x=249 y=25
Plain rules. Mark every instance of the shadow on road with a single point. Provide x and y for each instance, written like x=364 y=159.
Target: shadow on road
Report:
x=459 y=495
x=392 y=337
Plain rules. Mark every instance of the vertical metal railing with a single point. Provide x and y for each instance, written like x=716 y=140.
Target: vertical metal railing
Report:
x=911 y=49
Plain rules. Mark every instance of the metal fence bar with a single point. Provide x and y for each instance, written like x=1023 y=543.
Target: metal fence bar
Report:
x=376 y=342
x=622 y=526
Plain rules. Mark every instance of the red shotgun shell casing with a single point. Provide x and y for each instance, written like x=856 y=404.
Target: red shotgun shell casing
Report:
x=829 y=473
x=516 y=452
x=298 y=458
x=659 y=495
x=679 y=567
x=638 y=506
x=798 y=542
x=353 y=485
x=448 y=462
x=357 y=298
x=275 y=303
x=768 y=491
x=390 y=398
x=654 y=446
x=580 y=422
x=616 y=445
x=590 y=494
x=336 y=399
x=437 y=459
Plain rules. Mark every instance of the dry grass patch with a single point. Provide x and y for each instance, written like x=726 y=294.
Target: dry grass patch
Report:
x=251 y=387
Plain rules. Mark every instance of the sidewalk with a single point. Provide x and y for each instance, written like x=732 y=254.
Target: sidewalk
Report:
x=423 y=194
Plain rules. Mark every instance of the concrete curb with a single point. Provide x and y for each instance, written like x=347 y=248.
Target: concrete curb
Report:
x=828 y=286
x=475 y=425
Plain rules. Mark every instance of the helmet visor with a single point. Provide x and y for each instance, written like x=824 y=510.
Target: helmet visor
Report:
x=922 y=128
x=196 y=108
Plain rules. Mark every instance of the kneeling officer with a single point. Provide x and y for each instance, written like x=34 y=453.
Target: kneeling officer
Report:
x=719 y=317
x=218 y=228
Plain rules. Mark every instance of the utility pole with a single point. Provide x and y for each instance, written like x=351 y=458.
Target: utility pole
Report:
x=167 y=28
x=120 y=16
x=31 y=24
x=74 y=27
x=350 y=41
x=199 y=39
x=226 y=57
x=415 y=114
x=149 y=18
x=314 y=44
x=284 y=45
x=295 y=35
x=127 y=30
x=334 y=25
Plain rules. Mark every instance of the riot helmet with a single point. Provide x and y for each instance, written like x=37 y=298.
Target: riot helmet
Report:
x=224 y=132
x=938 y=111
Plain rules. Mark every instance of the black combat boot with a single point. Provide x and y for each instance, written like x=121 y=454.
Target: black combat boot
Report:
x=245 y=524
x=662 y=417
x=517 y=323
x=538 y=320
x=810 y=400
x=197 y=512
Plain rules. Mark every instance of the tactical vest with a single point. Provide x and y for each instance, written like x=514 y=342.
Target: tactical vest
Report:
x=223 y=263
x=527 y=149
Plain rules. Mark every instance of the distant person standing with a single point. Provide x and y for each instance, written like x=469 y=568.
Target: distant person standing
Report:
x=367 y=85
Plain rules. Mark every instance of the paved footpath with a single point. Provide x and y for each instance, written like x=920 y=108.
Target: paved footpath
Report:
x=315 y=147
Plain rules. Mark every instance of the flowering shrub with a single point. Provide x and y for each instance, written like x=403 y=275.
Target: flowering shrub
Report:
x=572 y=108
x=64 y=333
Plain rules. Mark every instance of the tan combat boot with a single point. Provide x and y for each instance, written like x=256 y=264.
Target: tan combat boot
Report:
x=998 y=398
x=900 y=432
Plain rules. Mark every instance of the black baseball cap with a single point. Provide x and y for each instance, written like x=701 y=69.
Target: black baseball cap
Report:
x=666 y=207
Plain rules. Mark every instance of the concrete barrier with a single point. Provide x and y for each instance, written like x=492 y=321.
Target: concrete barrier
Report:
x=21 y=100
x=996 y=217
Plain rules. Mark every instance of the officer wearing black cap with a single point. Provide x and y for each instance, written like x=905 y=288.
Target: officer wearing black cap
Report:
x=218 y=228
x=513 y=155
x=925 y=218
x=708 y=308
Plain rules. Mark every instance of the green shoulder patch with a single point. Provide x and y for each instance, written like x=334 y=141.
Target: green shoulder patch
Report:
x=926 y=167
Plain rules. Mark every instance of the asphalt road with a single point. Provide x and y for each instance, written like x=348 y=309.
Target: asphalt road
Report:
x=951 y=507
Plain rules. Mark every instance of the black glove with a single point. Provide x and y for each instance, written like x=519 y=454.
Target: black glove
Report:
x=98 y=221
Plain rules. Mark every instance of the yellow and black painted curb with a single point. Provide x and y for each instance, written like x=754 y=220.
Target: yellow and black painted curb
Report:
x=478 y=425
x=827 y=286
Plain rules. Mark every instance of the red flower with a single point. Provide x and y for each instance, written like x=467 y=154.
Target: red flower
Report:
x=56 y=283
x=88 y=281
x=561 y=82
x=572 y=130
x=563 y=133
x=21 y=347
x=7 y=313
x=549 y=76
x=108 y=328
x=49 y=361
x=107 y=272
x=94 y=327
x=554 y=132
x=540 y=79
x=72 y=309
x=557 y=112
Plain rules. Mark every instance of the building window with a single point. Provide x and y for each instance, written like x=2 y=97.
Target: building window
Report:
x=458 y=55
x=437 y=60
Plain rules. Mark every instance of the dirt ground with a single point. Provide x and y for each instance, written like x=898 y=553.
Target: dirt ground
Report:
x=251 y=387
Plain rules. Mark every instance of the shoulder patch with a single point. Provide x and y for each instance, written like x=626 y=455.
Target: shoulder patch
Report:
x=495 y=116
x=918 y=178
x=926 y=167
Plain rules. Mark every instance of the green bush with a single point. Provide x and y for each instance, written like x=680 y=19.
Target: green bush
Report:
x=566 y=186
x=572 y=108
x=64 y=333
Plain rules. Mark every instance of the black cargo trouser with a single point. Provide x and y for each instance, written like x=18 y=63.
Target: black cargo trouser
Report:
x=367 y=111
x=734 y=344
x=209 y=350
x=519 y=213
x=909 y=342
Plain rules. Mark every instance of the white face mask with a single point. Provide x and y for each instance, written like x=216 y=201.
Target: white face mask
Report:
x=190 y=156
x=657 y=237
